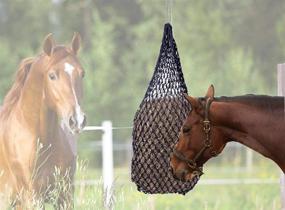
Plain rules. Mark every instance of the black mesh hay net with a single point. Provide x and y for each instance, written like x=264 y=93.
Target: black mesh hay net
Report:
x=157 y=123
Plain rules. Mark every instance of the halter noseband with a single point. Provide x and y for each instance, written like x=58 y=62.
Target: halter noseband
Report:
x=192 y=163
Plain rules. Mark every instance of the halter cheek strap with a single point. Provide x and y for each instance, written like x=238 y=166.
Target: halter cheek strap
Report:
x=192 y=163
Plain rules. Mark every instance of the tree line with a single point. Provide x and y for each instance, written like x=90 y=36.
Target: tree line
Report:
x=235 y=45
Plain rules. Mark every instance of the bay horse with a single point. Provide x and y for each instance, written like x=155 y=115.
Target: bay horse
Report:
x=254 y=121
x=39 y=119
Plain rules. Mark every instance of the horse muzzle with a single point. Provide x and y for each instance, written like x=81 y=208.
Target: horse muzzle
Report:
x=77 y=122
x=185 y=175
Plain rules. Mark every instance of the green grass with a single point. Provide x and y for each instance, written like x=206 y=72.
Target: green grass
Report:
x=202 y=197
x=220 y=197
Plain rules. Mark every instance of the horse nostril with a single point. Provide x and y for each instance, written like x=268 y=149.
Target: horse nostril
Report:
x=84 y=122
x=171 y=170
x=181 y=174
x=72 y=122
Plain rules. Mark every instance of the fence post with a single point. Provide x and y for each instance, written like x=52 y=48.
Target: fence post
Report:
x=249 y=159
x=281 y=92
x=107 y=156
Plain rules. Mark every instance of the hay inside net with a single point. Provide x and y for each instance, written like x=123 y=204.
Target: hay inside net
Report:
x=157 y=123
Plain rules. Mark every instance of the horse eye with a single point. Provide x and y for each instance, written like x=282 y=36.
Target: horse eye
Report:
x=52 y=76
x=83 y=74
x=186 y=129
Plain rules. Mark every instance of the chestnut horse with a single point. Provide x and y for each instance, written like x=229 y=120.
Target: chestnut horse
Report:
x=254 y=121
x=38 y=120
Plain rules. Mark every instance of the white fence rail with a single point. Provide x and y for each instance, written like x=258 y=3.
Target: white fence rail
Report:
x=231 y=181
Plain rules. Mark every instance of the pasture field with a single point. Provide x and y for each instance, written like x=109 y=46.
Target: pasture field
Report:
x=222 y=197
x=260 y=196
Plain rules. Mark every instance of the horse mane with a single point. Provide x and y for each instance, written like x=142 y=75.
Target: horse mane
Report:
x=14 y=93
x=261 y=101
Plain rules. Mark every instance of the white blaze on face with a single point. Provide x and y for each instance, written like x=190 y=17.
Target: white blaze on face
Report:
x=68 y=68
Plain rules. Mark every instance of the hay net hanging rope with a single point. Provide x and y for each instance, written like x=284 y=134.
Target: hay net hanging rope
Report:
x=157 y=123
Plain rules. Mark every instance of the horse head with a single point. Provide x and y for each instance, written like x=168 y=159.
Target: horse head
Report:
x=198 y=139
x=62 y=82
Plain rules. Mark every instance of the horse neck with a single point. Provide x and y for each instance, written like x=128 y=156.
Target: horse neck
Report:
x=49 y=125
x=252 y=126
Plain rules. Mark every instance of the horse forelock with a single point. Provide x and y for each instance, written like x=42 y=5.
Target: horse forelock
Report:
x=60 y=52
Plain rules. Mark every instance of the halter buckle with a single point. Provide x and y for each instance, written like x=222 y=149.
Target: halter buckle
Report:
x=191 y=164
x=206 y=126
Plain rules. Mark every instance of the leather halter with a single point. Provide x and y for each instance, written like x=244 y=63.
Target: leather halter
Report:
x=192 y=163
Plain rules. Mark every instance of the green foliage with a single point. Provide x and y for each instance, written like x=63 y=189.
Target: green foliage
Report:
x=233 y=44
x=238 y=75
x=102 y=76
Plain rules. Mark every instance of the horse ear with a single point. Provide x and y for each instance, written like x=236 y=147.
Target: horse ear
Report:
x=48 y=44
x=193 y=101
x=211 y=92
x=75 y=43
